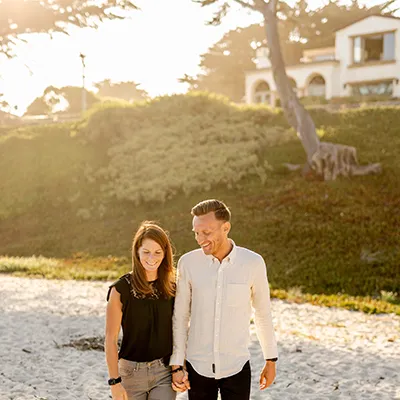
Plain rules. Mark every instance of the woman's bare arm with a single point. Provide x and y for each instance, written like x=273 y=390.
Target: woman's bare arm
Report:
x=113 y=325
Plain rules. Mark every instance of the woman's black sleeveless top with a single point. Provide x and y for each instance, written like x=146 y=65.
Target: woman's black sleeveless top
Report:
x=146 y=323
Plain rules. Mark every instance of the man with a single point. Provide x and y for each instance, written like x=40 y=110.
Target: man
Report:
x=216 y=289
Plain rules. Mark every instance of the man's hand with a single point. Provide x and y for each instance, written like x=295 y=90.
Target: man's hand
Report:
x=118 y=392
x=180 y=381
x=267 y=375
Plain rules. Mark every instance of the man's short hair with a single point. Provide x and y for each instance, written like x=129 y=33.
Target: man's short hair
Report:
x=220 y=210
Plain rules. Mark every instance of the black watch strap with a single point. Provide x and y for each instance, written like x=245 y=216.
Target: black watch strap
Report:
x=177 y=369
x=273 y=359
x=114 y=381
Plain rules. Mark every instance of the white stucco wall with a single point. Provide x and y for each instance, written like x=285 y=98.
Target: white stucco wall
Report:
x=337 y=73
x=313 y=54
x=344 y=53
x=302 y=74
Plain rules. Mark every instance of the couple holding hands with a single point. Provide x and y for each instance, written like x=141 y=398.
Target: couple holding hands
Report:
x=189 y=332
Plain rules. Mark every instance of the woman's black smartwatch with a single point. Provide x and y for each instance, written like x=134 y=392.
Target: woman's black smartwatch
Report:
x=114 y=381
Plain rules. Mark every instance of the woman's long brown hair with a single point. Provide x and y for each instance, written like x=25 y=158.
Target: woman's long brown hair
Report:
x=166 y=270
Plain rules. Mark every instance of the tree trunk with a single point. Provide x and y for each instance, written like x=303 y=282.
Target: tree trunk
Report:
x=327 y=160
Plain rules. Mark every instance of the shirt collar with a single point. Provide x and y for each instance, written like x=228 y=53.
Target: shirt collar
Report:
x=232 y=255
x=230 y=258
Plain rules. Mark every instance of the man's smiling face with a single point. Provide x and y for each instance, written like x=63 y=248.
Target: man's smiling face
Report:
x=211 y=234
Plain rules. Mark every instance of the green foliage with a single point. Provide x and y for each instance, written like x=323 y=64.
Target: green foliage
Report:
x=41 y=167
x=25 y=264
x=55 y=100
x=82 y=267
x=310 y=101
x=313 y=100
x=163 y=148
x=51 y=16
x=4 y=106
x=318 y=27
x=359 y=99
x=365 y=304
x=224 y=65
x=38 y=107
x=128 y=91
x=78 y=267
x=324 y=237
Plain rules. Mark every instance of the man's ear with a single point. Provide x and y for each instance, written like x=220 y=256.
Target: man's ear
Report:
x=227 y=227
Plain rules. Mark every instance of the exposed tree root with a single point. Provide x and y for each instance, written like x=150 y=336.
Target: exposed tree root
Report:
x=332 y=160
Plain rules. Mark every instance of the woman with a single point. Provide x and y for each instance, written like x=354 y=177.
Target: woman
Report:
x=142 y=303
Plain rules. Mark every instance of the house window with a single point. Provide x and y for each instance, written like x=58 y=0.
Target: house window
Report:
x=388 y=46
x=357 y=50
x=373 y=48
x=380 y=47
x=384 y=88
x=316 y=87
x=262 y=93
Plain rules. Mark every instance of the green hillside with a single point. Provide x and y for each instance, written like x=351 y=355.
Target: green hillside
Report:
x=83 y=189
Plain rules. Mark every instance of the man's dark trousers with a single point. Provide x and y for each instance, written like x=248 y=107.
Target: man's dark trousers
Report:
x=235 y=387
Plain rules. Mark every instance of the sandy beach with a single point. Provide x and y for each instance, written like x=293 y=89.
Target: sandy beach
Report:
x=324 y=353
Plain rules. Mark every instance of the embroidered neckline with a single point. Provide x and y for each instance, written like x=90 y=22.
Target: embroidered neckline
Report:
x=155 y=295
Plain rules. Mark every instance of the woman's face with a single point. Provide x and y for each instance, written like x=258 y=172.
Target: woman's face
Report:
x=150 y=255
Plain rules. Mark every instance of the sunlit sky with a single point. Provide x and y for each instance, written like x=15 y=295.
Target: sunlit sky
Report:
x=154 y=47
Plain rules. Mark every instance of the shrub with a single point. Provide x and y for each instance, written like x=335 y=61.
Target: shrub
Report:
x=325 y=237
x=359 y=99
x=178 y=144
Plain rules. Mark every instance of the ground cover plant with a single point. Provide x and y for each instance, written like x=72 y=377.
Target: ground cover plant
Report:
x=83 y=189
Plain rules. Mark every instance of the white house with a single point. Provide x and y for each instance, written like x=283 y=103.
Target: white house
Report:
x=364 y=61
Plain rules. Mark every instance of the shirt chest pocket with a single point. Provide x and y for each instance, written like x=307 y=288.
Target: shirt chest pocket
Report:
x=237 y=294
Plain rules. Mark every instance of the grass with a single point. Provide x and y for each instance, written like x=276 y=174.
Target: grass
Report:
x=78 y=267
x=82 y=267
x=365 y=304
x=337 y=241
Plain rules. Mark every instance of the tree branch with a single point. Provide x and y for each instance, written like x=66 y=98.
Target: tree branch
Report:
x=248 y=5
x=49 y=16
x=221 y=13
x=386 y=4
x=205 y=3
x=273 y=5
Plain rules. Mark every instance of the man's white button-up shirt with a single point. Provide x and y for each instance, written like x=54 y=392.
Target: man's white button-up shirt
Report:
x=213 y=307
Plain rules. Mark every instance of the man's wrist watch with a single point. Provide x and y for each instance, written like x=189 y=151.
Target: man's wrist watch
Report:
x=272 y=359
x=114 y=381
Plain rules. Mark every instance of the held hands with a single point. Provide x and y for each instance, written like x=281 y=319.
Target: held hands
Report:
x=180 y=380
x=267 y=375
x=118 y=392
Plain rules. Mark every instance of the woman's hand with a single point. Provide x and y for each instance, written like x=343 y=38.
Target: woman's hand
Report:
x=118 y=392
x=180 y=381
